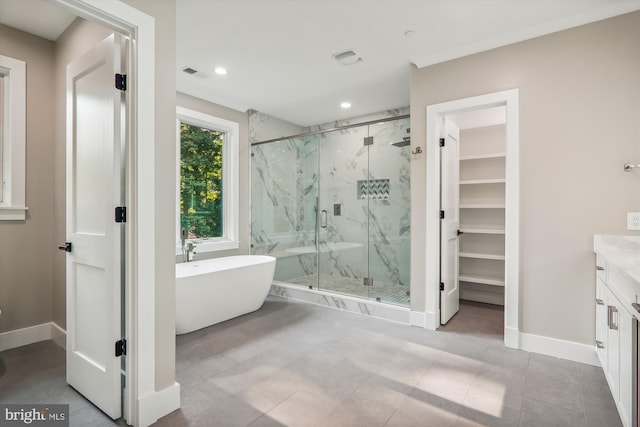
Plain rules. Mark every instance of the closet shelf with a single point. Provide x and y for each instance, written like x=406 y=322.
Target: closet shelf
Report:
x=473 y=229
x=483 y=156
x=481 y=256
x=481 y=280
x=483 y=181
x=482 y=206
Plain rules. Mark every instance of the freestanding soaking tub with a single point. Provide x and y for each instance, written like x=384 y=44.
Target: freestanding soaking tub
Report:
x=214 y=290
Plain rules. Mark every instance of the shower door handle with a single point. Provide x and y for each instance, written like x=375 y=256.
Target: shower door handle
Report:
x=323 y=219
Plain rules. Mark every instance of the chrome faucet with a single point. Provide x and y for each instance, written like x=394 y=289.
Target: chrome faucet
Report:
x=188 y=249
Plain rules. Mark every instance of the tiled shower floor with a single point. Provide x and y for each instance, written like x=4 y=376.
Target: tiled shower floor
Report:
x=387 y=292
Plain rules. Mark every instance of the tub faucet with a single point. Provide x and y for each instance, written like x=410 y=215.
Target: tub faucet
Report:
x=188 y=249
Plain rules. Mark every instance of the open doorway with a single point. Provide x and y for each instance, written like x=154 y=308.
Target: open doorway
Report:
x=139 y=183
x=474 y=185
x=472 y=202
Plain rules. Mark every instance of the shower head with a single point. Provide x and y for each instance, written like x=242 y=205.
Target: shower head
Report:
x=405 y=141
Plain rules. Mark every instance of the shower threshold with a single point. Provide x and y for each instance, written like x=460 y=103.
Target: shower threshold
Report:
x=389 y=293
x=339 y=301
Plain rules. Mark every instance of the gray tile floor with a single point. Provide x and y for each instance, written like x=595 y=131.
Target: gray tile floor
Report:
x=295 y=364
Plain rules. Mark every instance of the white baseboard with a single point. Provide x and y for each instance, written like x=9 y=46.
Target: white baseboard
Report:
x=154 y=406
x=481 y=296
x=59 y=335
x=511 y=337
x=32 y=334
x=417 y=318
x=559 y=348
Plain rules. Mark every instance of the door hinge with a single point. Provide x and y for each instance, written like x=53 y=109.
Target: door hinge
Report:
x=368 y=281
x=121 y=214
x=121 y=82
x=121 y=348
x=441 y=142
x=368 y=140
x=442 y=286
x=441 y=214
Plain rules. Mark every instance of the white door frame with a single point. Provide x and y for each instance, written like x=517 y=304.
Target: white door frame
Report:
x=142 y=405
x=510 y=99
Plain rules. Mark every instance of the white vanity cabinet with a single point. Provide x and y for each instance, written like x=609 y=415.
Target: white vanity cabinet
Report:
x=616 y=330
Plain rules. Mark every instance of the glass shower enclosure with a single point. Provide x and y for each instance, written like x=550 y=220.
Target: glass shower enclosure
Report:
x=333 y=208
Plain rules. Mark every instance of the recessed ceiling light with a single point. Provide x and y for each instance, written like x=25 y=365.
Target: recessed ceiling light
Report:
x=409 y=33
x=345 y=105
x=221 y=71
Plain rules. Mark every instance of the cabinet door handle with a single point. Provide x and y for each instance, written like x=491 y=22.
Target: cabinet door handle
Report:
x=613 y=311
x=599 y=344
x=599 y=268
x=599 y=301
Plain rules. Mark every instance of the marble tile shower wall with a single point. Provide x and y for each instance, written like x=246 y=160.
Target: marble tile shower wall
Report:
x=380 y=226
x=284 y=186
x=288 y=175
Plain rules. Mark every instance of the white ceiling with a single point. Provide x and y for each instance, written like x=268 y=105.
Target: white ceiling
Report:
x=278 y=52
x=40 y=17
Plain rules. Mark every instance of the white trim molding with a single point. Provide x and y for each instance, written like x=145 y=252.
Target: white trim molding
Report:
x=230 y=180
x=554 y=347
x=32 y=334
x=152 y=404
x=434 y=115
x=13 y=140
x=140 y=277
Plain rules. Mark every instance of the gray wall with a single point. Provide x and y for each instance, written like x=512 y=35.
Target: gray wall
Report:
x=27 y=248
x=579 y=123
x=244 y=189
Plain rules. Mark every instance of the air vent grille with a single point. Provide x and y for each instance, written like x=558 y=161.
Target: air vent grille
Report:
x=189 y=70
x=347 y=57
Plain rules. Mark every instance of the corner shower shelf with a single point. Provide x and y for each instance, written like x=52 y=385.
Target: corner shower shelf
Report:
x=481 y=280
x=481 y=256
x=483 y=181
x=483 y=156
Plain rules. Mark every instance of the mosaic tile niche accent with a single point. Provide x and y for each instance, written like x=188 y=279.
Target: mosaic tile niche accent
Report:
x=377 y=189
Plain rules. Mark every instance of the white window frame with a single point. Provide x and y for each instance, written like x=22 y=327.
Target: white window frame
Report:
x=230 y=181
x=13 y=139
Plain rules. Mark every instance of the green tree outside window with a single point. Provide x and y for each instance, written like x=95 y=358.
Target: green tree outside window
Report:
x=201 y=212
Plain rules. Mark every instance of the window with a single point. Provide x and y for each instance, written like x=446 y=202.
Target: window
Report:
x=12 y=138
x=208 y=181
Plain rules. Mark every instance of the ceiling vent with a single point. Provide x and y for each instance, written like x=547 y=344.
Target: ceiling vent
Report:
x=347 y=57
x=189 y=70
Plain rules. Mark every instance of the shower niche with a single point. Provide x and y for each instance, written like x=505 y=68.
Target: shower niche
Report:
x=333 y=208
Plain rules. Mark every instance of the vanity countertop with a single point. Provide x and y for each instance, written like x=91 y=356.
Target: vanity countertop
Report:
x=623 y=252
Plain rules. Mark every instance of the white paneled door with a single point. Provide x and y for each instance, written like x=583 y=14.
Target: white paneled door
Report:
x=94 y=160
x=449 y=225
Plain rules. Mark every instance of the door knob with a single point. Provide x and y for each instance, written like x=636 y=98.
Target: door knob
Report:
x=66 y=247
x=460 y=232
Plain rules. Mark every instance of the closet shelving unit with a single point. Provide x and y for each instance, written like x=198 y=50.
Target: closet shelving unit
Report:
x=482 y=213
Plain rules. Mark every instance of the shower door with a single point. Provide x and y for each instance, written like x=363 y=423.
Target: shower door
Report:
x=333 y=208
x=343 y=250
x=284 y=191
x=388 y=209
